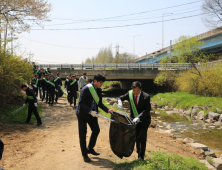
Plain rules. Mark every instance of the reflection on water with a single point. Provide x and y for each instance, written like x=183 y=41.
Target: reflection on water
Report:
x=201 y=133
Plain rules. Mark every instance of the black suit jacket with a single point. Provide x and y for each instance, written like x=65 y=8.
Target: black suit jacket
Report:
x=85 y=103
x=143 y=106
x=72 y=88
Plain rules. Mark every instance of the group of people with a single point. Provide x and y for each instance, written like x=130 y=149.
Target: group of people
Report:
x=87 y=109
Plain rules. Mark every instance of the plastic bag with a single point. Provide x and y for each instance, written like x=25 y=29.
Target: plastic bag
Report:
x=122 y=136
x=1 y=149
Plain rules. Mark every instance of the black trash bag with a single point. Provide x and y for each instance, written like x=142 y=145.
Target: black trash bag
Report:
x=60 y=92
x=122 y=136
x=1 y=149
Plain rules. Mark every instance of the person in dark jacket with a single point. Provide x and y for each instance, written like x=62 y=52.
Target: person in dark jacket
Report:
x=32 y=100
x=41 y=73
x=66 y=84
x=40 y=86
x=1 y=149
x=37 y=70
x=72 y=89
x=35 y=84
x=140 y=112
x=58 y=81
x=48 y=71
x=52 y=87
x=45 y=86
x=87 y=113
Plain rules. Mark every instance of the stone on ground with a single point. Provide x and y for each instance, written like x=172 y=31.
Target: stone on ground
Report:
x=209 y=166
x=217 y=163
x=199 y=146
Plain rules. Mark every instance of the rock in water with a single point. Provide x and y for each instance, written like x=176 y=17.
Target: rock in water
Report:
x=188 y=140
x=212 y=116
x=188 y=111
x=220 y=118
x=169 y=127
x=200 y=115
x=217 y=163
x=199 y=146
x=209 y=166
x=194 y=111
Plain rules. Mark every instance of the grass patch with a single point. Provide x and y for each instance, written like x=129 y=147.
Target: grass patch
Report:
x=20 y=117
x=162 y=161
x=172 y=117
x=210 y=160
x=185 y=100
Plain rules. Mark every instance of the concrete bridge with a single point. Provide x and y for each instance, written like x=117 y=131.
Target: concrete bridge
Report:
x=115 y=71
x=212 y=40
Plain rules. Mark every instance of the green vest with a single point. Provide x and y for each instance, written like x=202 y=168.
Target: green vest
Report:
x=135 y=112
x=93 y=93
x=72 y=83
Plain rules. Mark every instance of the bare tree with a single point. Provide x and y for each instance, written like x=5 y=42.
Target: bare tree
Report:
x=20 y=15
x=212 y=10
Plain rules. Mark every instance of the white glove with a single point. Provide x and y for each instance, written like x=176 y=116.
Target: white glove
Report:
x=34 y=86
x=24 y=105
x=40 y=88
x=120 y=105
x=65 y=89
x=94 y=114
x=35 y=104
x=136 y=120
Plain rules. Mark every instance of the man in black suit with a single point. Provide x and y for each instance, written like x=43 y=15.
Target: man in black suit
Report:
x=140 y=112
x=87 y=112
x=72 y=88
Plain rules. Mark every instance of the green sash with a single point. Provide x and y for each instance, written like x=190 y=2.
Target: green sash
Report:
x=47 y=72
x=72 y=82
x=93 y=93
x=51 y=83
x=67 y=80
x=36 y=83
x=135 y=112
x=45 y=80
x=30 y=97
x=56 y=78
x=37 y=71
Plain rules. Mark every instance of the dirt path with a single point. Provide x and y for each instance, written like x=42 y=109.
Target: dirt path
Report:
x=55 y=145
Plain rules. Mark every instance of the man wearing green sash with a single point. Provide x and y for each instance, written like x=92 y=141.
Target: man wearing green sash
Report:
x=140 y=112
x=87 y=113
x=35 y=84
x=32 y=100
x=72 y=88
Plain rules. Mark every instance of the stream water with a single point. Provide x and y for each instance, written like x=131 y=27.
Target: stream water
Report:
x=198 y=131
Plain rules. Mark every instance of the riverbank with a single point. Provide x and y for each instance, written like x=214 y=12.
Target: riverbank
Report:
x=55 y=145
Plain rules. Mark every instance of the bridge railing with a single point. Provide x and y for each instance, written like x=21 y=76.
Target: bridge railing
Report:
x=130 y=66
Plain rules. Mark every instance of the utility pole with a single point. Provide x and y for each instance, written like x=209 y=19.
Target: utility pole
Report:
x=163 y=29
x=11 y=43
x=117 y=52
x=30 y=56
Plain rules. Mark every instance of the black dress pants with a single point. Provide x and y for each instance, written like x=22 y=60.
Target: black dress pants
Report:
x=47 y=96
x=73 y=95
x=93 y=124
x=51 y=96
x=33 y=109
x=36 y=91
x=43 y=94
x=1 y=149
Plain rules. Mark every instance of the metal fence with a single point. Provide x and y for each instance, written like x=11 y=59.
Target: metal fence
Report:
x=168 y=66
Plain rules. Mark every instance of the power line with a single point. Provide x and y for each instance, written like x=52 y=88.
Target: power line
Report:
x=127 y=19
x=120 y=26
x=135 y=13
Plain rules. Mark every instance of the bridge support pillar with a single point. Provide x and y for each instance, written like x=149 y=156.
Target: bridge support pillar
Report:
x=126 y=85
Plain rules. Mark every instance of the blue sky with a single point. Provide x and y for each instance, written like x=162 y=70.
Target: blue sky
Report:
x=90 y=41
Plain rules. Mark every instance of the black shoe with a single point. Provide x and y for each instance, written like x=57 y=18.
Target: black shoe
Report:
x=38 y=124
x=86 y=158
x=141 y=158
x=93 y=152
